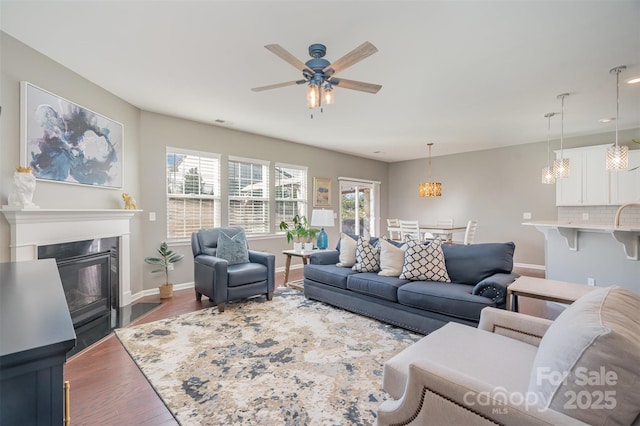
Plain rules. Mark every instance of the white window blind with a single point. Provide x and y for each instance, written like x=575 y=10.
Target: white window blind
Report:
x=290 y=192
x=193 y=192
x=249 y=195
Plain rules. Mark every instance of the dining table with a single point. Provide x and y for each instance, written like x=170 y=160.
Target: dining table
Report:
x=443 y=231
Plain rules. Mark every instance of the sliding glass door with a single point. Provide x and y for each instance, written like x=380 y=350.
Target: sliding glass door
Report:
x=359 y=207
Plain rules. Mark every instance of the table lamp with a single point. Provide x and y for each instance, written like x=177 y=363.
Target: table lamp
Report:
x=322 y=218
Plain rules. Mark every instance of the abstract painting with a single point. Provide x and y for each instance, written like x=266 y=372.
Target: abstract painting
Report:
x=65 y=142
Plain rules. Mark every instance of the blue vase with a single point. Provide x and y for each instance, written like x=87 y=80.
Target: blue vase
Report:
x=323 y=240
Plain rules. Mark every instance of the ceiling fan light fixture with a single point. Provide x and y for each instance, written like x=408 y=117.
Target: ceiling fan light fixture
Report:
x=327 y=94
x=313 y=95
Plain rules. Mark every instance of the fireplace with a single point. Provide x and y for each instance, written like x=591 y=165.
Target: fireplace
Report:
x=33 y=228
x=89 y=274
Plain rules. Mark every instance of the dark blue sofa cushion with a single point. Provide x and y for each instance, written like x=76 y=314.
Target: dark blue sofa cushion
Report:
x=372 y=284
x=470 y=264
x=328 y=274
x=444 y=298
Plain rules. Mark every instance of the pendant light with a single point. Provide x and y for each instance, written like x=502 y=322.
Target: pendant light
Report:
x=561 y=166
x=548 y=176
x=430 y=189
x=617 y=156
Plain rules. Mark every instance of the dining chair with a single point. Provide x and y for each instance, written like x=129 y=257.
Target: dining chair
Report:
x=409 y=228
x=469 y=233
x=445 y=237
x=394 y=234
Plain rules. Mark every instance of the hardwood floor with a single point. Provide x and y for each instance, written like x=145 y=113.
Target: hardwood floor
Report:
x=107 y=388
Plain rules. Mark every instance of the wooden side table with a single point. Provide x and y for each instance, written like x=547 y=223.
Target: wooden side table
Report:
x=543 y=289
x=305 y=254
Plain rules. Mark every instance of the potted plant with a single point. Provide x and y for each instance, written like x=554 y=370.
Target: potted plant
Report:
x=167 y=258
x=300 y=233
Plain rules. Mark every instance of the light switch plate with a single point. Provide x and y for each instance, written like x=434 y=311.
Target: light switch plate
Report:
x=152 y=216
x=526 y=215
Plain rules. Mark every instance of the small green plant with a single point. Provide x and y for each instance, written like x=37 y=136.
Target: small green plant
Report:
x=300 y=230
x=167 y=257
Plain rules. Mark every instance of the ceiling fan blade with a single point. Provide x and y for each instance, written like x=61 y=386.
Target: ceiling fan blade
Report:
x=361 y=52
x=278 y=85
x=288 y=57
x=357 y=85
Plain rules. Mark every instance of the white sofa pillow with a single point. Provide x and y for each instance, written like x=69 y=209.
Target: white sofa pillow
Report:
x=588 y=362
x=391 y=258
x=347 y=251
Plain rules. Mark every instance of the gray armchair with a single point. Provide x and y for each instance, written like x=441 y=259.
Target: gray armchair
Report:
x=221 y=282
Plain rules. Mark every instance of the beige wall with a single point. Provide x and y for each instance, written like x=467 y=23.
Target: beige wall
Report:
x=494 y=186
x=160 y=131
x=21 y=63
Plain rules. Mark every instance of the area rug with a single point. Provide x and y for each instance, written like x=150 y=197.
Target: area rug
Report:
x=289 y=361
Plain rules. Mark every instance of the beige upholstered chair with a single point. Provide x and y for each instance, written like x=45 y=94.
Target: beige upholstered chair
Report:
x=393 y=234
x=516 y=369
x=409 y=228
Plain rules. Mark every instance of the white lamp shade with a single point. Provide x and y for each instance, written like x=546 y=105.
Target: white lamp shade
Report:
x=322 y=218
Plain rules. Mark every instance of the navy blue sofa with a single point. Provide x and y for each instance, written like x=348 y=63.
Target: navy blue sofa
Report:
x=480 y=274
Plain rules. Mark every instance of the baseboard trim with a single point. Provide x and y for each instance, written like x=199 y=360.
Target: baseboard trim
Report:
x=530 y=266
x=154 y=291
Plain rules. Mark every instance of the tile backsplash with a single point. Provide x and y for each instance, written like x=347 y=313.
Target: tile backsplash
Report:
x=599 y=215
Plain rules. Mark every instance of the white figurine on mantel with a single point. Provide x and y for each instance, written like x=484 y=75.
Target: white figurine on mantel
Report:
x=25 y=182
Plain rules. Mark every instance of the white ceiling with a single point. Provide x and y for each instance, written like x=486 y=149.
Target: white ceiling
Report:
x=466 y=75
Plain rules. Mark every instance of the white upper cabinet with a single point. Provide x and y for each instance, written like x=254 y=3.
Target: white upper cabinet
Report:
x=625 y=184
x=588 y=183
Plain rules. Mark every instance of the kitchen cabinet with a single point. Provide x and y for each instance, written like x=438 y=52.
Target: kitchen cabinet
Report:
x=588 y=183
x=625 y=184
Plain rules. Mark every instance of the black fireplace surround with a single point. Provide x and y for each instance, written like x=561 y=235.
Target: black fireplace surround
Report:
x=89 y=273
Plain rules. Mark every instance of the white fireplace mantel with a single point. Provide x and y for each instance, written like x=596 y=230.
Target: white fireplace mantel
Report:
x=31 y=228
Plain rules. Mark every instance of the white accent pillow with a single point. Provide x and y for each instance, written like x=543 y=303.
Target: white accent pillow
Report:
x=424 y=262
x=391 y=258
x=367 y=256
x=587 y=361
x=347 y=251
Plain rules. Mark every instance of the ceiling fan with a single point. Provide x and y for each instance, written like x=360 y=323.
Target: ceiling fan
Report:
x=319 y=73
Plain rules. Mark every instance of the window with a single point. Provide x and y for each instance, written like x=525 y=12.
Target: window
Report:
x=291 y=192
x=193 y=192
x=249 y=195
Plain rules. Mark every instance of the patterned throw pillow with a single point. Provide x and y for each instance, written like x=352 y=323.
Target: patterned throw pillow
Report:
x=233 y=249
x=424 y=262
x=367 y=256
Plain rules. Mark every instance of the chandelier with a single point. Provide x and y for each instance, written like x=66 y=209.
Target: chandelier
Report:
x=430 y=189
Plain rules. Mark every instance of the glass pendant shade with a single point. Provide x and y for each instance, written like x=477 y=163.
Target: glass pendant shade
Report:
x=313 y=96
x=327 y=94
x=617 y=157
x=430 y=189
x=548 y=176
x=561 y=168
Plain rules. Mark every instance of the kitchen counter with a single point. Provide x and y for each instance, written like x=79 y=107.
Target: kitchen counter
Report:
x=628 y=236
